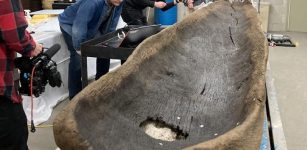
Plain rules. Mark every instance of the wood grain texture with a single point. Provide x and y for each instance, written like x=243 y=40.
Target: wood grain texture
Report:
x=203 y=76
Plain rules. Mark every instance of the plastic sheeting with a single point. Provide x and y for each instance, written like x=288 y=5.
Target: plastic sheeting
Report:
x=48 y=33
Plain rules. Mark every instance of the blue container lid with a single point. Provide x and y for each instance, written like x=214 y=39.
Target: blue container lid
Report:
x=168 y=17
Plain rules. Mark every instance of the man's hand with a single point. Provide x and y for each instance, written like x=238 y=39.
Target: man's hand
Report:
x=160 y=4
x=190 y=3
x=38 y=49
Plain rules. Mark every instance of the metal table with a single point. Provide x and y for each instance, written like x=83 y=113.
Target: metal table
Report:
x=98 y=48
x=115 y=45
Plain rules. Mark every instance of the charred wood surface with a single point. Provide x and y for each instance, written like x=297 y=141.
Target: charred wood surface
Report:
x=202 y=80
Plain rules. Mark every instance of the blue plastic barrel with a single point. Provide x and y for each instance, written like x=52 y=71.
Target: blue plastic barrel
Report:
x=168 y=17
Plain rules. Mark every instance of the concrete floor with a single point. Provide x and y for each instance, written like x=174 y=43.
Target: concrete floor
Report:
x=43 y=138
x=289 y=71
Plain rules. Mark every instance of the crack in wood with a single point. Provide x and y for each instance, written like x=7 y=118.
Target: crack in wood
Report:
x=230 y=34
x=170 y=74
x=202 y=92
x=242 y=82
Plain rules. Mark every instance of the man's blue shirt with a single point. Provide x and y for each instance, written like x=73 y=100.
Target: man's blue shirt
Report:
x=82 y=20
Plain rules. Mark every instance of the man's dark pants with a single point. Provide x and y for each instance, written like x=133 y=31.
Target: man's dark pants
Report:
x=74 y=71
x=13 y=126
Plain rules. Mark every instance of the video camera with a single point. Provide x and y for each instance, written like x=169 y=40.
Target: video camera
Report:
x=42 y=69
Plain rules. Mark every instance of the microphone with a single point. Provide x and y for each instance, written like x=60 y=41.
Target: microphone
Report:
x=44 y=56
x=26 y=63
x=52 y=50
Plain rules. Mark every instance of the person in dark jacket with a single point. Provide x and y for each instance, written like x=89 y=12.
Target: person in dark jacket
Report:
x=13 y=38
x=133 y=10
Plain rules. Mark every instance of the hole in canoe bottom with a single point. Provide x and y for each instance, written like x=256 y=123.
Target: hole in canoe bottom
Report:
x=159 y=129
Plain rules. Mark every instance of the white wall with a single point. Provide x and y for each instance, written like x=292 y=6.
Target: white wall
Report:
x=278 y=18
